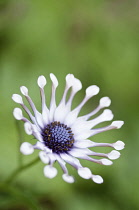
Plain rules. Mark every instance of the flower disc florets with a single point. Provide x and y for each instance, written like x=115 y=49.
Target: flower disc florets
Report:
x=61 y=134
x=58 y=137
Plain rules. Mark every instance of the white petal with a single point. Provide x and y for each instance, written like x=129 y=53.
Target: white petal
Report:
x=85 y=173
x=106 y=115
x=17 y=98
x=114 y=155
x=60 y=113
x=53 y=97
x=119 y=145
x=26 y=148
x=62 y=163
x=69 y=80
x=39 y=119
x=84 y=143
x=62 y=110
x=28 y=128
x=37 y=135
x=114 y=125
x=50 y=171
x=68 y=178
x=83 y=135
x=47 y=150
x=45 y=111
x=24 y=90
x=71 y=116
x=41 y=81
x=37 y=114
x=52 y=158
x=77 y=85
x=97 y=179
x=71 y=160
x=29 y=114
x=76 y=152
x=117 y=124
x=18 y=113
x=39 y=145
x=105 y=102
x=44 y=157
x=82 y=126
x=54 y=80
x=83 y=154
x=106 y=162
x=92 y=90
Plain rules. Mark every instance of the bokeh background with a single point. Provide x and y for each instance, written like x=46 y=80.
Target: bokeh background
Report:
x=97 y=41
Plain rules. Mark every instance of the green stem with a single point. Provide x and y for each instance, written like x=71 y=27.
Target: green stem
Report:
x=20 y=196
x=20 y=169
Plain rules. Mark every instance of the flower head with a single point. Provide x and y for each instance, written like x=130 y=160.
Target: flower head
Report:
x=61 y=134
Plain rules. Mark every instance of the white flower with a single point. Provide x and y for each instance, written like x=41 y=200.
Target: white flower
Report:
x=61 y=134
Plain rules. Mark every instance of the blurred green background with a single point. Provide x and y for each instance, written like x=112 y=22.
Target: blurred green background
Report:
x=97 y=41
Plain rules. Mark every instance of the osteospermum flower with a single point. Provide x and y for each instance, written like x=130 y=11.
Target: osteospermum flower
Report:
x=61 y=134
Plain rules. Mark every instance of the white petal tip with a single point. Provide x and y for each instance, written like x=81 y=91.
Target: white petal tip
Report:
x=44 y=157
x=117 y=124
x=28 y=128
x=105 y=102
x=85 y=173
x=17 y=98
x=97 y=179
x=119 y=145
x=41 y=81
x=92 y=90
x=67 y=178
x=24 y=90
x=26 y=148
x=106 y=162
x=113 y=155
x=108 y=114
x=18 y=114
x=54 y=80
x=70 y=80
x=77 y=85
x=50 y=172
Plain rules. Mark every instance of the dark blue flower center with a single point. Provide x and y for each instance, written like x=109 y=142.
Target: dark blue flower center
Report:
x=58 y=137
